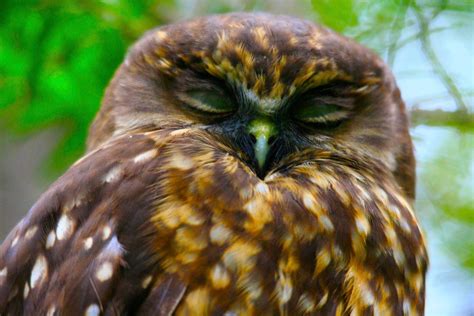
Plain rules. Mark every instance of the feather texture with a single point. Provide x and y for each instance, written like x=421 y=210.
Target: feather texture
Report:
x=169 y=213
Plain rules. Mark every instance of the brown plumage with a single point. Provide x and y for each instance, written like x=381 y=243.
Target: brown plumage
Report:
x=242 y=164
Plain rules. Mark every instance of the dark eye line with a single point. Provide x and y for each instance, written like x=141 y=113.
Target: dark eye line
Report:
x=345 y=103
x=333 y=89
x=205 y=81
x=318 y=110
x=338 y=85
x=337 y=93
x=334 y=94
x=320 y=126
x=198 y=106
x=208 y=116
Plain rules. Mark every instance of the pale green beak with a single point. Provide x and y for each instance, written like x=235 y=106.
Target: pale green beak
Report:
x=263 y=129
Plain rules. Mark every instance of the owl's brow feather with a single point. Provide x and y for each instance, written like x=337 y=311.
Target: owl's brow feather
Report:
x=256 y=57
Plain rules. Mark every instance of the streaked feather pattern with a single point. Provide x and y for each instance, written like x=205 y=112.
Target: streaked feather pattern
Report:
x=167 y=215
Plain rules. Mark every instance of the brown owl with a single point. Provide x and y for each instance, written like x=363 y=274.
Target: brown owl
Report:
x=241 y=164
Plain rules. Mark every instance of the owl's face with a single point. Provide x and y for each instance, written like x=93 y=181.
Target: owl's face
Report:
x=266 y=88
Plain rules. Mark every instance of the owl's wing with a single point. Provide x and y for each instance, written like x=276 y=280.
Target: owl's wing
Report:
x=86 y=246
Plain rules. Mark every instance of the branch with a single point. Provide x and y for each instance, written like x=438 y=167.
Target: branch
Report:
x=395 y=33
x=439 y=9
x=436 y=64
x=457 y=119
x=413 y=37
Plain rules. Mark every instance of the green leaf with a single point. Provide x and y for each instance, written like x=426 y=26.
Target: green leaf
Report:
x=337 y=14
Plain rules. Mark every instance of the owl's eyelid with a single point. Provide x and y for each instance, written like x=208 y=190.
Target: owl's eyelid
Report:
x=345 y=103
x=199 y=105
x=326 y=118
x=208 y=88
x=335 y=87
x=337 y=93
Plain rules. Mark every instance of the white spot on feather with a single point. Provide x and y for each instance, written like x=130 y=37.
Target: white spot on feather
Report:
x=194 y=219
x=161 y=35
x=327 y=223
x=31 y=232
x=51 y=239
x=406 y=307
x=14 y=242
x=3 y=274
x=362 y=224
x=308 y=201
x=394 y=210
x=106 y=231
x=367 y=295
x=39 y=272
x=399 y=256
x=51 y=310
x=323 y=300
x=65 y=227
x=284 y=288
x=104 y=272
x=146 y=281
x=75 y=202
x=113 y=174
x=262 y=188
x=417 y=281
x=404 y=225
x=92 y=310
x=143 y=157
x=306 y=303
x=179 y=132
x=26 y=290
x=219 y=234
x=88 y=243
x=219 y=276
x=181 y=162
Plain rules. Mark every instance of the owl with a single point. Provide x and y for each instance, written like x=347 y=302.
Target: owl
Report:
x=240 y=164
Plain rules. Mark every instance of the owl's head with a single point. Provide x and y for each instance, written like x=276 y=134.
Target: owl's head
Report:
x=267 y=87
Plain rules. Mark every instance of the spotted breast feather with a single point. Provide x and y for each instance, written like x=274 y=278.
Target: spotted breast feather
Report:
x=135 y=227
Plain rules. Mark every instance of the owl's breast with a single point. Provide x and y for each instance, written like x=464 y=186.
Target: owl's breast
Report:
x=319 y=236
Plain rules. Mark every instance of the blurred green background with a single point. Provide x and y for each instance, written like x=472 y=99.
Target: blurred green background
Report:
x=56 y=57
